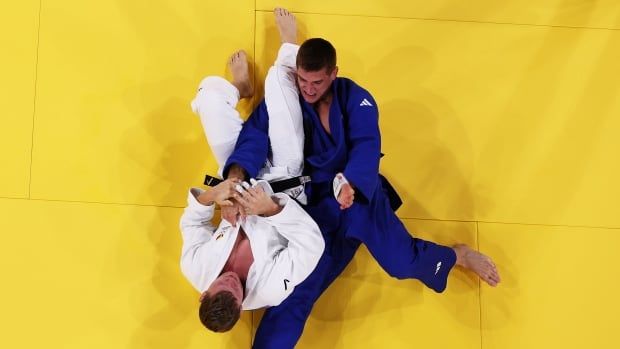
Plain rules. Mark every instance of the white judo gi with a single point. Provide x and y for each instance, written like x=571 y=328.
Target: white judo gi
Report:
x=287 y=246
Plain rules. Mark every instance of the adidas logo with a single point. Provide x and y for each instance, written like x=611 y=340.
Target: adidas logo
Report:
x=366 y=103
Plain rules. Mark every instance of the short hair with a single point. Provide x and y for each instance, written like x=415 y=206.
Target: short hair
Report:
x=220 y=312
x=315 y=54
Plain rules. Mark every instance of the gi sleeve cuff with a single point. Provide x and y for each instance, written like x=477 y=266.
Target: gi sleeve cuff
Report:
x=339 y=181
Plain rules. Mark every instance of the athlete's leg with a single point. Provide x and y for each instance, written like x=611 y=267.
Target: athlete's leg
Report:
x=215 y=103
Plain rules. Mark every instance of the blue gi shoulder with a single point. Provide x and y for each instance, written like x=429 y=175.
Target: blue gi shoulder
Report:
x=352 y=96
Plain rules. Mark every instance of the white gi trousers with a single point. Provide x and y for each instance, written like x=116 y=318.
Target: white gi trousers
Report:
x=217 y=99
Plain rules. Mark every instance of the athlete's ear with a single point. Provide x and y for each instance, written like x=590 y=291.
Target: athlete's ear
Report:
x=334 y=73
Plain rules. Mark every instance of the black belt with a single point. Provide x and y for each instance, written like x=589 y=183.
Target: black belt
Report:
x=277 y=186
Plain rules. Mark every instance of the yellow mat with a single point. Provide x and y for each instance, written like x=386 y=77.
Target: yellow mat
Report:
x=499 y=123
x=19 y=24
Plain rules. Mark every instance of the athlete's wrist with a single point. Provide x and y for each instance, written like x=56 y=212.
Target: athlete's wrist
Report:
x=273 y=209
x=236 y=172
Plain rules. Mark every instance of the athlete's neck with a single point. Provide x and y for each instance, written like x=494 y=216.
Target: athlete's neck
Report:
x=324 y=101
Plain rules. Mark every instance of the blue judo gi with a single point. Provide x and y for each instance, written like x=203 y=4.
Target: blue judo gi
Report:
x=353 y=148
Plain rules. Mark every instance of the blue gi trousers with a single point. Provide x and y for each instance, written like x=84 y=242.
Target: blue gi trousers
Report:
x=399 y=254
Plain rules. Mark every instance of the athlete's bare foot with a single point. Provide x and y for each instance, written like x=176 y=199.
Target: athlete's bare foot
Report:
x=475 y=261
x=287 y=25
x=238 y=65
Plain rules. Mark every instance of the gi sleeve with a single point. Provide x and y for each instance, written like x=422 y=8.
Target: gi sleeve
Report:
x=364 y=145
x=252 y=147
x=305 y=246
x=197 y=230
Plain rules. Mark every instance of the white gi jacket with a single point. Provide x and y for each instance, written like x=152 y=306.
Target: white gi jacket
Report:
x=286 y=249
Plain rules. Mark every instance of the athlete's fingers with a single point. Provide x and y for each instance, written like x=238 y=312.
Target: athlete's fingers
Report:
x=242 y=199
x=253 y=192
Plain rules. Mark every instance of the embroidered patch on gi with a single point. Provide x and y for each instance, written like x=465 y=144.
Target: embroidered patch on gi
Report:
x=222 y=231
x=294 y=192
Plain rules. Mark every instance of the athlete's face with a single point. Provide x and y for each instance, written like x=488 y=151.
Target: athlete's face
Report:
x=314 y=85
x=230 y=282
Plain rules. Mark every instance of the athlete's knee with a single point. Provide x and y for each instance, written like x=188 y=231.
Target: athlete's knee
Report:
x=282 y=326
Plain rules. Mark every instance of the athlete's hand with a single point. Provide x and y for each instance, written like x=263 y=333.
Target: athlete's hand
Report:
x=346 y=196
x=220 y=194
x=255 y=201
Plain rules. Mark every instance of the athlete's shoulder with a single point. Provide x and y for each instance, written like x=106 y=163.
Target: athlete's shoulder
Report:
x=353 y=95
x=350 y=86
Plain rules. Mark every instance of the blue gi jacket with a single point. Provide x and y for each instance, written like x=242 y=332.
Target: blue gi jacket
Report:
x=354 y=146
